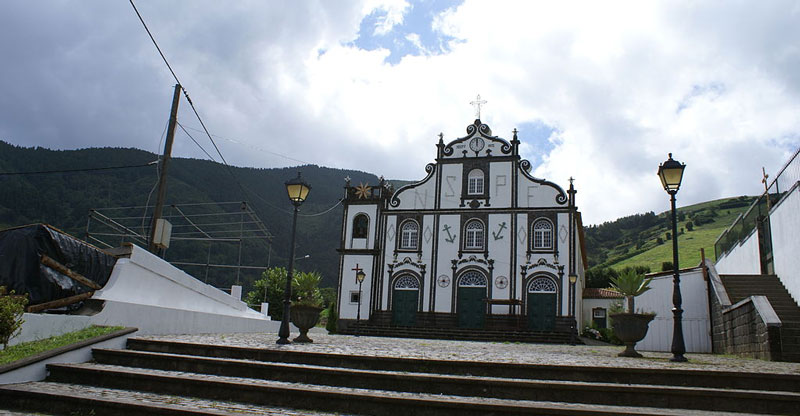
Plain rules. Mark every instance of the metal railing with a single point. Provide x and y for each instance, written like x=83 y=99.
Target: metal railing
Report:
x=744 y=225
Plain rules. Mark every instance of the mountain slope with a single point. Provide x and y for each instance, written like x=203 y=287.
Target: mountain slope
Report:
x=645 y=239
x=64 y=199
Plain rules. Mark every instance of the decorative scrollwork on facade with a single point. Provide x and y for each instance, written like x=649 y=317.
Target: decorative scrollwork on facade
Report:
x=430 y=168
x=542 y=285
x=472 y=278
x=407 y=282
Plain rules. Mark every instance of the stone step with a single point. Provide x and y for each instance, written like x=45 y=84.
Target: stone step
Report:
x=76 y=399
x=419 y=394
x=749 y=276
x=665 y=377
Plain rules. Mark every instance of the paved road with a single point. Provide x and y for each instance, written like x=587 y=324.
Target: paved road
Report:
x=587 y=355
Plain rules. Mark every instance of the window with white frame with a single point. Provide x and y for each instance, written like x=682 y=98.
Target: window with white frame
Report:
x=473 y=233
x=542 y=235
x=409 y=235
x=475 y=182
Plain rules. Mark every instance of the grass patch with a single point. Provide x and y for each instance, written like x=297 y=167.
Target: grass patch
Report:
x=27 y=349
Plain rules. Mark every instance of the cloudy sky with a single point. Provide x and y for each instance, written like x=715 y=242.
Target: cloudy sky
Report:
x=600 y=91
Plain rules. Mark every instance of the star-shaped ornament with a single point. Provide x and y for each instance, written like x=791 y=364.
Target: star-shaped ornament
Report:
x=362 y=191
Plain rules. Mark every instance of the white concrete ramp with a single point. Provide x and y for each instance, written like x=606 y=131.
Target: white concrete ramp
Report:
x=148 y=293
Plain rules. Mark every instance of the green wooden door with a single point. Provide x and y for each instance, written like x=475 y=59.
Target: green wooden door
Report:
x=404 y=307
x=542 y=311
x=471 y=308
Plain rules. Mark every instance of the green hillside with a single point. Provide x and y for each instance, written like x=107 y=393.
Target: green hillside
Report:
x=649 y=246
x=64 y=199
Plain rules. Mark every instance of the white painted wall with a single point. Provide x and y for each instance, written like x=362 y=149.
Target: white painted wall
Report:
x=696 y=322
x=40 y=326
x=419 y=196
x=500 y=181
x=451 y=185
x=360 y=243
x=347 y=309
x=447 y=250
x=785 y=224
x=742 y=259
x=589 y=304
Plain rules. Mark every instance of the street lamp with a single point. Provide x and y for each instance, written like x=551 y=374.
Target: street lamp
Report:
x=671 y=173
x=297 y=189
x=572 y=279
x=360 y=275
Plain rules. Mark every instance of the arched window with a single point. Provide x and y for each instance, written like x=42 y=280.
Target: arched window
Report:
x=473 y=233
x=360 y=226
x=472 y=278
x=542 y=235
x=475 y=182
x=542 y=285
x=409 y=235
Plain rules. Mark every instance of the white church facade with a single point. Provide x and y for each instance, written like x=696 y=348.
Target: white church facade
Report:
x=478 y=243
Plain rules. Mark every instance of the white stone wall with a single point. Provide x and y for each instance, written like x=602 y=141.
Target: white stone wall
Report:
x=742 y=259
x=785 y=223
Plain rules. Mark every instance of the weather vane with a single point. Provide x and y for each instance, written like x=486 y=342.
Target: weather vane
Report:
x=477 y=103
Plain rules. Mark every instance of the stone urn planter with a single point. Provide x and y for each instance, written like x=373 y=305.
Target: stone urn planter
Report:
x=631 y=328
x=304 y=317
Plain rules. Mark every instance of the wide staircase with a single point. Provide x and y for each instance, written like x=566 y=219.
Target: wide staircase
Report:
x=155 y=377
x=741 y=286
x=464 y=334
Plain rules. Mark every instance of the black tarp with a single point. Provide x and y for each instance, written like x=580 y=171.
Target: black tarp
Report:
x=21 y=269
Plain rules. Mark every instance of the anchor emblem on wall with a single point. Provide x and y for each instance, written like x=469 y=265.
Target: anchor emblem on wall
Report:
x=451 y=237
x=497 y=235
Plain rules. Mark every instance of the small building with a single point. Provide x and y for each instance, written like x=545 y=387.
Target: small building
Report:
x=479 y=243
x=597 y=305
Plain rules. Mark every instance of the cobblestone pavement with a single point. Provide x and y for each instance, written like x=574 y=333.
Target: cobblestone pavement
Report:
x=585 y=355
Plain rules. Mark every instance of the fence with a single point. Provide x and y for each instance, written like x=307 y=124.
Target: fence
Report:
x=759 y=210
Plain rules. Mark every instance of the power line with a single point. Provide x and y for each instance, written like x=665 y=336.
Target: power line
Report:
x=205 y=129
x=77 y=170
x=154 y=42
x=195 y=142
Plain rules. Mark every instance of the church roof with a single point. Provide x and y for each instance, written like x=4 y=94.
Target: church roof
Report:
x=598 y=293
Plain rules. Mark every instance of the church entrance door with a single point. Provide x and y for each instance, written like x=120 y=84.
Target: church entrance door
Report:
x=405 y=298
x=542 y=304
x=471 y=302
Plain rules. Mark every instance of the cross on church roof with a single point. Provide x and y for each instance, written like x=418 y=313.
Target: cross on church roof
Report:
x=477 y=103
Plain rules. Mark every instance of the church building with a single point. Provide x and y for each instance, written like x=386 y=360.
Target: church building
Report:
x=478 y=244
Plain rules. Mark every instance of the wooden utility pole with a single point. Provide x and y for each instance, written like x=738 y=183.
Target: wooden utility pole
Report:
x=162 y=179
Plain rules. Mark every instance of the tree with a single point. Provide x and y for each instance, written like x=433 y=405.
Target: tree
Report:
x=272 y=284
x=631 y=284
x=11 y=309
x=269 y=288
x=689 y=226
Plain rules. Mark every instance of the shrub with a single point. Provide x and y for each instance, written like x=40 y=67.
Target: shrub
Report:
x=690 y=226
x=332 y=318
x=11 y=309
x=666 y=266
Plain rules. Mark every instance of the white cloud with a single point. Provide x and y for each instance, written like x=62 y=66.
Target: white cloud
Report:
x=623 y=84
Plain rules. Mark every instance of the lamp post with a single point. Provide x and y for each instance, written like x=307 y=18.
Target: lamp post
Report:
x=297 y=189
x=572 y=279
x=671 y=174
x=360 y=275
